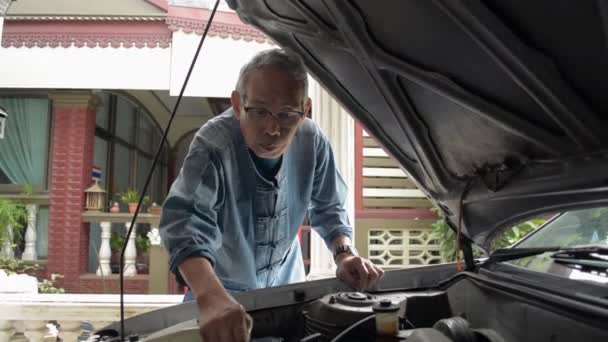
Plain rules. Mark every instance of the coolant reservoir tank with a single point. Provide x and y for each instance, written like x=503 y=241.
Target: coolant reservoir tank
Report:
x=387 y=317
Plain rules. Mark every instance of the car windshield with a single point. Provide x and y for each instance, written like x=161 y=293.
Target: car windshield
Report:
x=570 y=229
x=567 y=230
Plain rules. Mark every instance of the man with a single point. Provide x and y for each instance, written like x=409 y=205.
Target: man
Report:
x=251 y=175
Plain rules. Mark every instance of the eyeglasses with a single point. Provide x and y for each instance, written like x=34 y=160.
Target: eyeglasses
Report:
x=286 y=118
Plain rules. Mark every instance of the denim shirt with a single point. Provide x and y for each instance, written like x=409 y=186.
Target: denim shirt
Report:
x=222 y=209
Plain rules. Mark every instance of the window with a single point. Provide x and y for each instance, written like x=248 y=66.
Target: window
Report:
x=102 y=118
x=24 y=155
x=126 y=115
x=25 y=148
x=125 y=143
x=126 y=140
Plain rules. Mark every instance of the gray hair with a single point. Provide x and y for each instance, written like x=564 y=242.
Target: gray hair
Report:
x=285 y=59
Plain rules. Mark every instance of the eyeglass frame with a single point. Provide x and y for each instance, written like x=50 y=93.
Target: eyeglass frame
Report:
x=269 y=114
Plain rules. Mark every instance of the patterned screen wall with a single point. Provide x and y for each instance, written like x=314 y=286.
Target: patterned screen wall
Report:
x=393 y=219
x=398 y=248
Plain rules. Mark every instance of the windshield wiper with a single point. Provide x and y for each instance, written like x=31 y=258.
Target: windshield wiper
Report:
x=591 y=253
x=507 y=254
x=594 y=256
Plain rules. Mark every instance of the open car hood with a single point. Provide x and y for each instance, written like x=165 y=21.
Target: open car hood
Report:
x=499 y=105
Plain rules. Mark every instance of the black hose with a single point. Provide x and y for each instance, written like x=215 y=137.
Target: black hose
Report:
x=351 y=328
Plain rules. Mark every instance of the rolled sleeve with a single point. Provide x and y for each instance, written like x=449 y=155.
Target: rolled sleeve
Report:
x=188 y=223
x=327 y=214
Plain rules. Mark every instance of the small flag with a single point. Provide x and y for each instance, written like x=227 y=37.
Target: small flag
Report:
x=96 y=174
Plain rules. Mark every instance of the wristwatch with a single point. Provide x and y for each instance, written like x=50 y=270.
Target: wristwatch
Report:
x=350 y=249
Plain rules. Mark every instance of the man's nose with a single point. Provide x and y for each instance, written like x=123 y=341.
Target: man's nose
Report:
x=272 y=126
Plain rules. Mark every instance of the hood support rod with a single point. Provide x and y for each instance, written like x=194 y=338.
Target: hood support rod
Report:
x=467 y=250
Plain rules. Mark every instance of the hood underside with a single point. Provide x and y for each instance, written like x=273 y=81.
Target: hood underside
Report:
x=499 y=105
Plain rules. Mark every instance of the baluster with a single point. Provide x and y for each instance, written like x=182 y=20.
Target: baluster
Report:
x=131 y=252
x=7 y=247
x=70 y=330
x=6 y=331
x=30 y=234
x=35 y=330
x=105 y=252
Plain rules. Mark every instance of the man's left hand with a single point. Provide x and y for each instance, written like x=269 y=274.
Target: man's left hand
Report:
x=358 y=272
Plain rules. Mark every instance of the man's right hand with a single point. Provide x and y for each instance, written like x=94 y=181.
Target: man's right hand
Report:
x=222 y=318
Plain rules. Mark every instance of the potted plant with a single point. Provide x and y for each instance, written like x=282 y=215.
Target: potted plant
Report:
x=155 y=209
x=131 y=198
x=12 y=222
x=142 y=245
x=116 y=242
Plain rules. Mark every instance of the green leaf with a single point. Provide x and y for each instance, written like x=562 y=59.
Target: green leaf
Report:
x=12 y=214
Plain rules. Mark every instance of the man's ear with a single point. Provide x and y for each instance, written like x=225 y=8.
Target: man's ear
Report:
x=235 y=100
x=307 y=107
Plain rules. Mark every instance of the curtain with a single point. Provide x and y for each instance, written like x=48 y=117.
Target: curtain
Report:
x=23 y=152
x=24 y=148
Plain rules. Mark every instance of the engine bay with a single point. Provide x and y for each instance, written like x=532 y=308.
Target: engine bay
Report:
x=353 y=316
x=423 y=304
x=468 y=310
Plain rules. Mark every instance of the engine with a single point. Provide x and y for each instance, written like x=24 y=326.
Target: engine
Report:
x=358 y=316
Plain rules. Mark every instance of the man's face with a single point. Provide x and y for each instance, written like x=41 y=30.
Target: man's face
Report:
x=270 y=111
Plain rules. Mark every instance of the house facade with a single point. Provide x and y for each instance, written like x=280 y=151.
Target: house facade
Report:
x=89 y=86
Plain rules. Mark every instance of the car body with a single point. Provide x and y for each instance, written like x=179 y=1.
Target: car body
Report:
x=497 y=110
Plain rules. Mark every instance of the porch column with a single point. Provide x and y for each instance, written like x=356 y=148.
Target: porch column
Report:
x=73 y=137
x=339 y=127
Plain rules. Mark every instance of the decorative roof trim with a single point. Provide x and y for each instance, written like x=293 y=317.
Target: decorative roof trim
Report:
x=83 y=18
x=86 y=40
x=98 y=34
x=217 y=29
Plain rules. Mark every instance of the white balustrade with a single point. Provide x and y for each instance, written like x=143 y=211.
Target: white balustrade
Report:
x=36 y=330
x=105 y=252
x=106 y=220
x=32 y=203
x=30 y=253
x=70 y=330
x=130 y=252
x=29 y=315
x=6 y=330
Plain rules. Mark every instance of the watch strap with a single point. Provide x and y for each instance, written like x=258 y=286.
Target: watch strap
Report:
x=349 y=249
